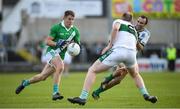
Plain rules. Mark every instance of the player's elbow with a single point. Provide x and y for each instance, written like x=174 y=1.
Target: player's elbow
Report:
x=115 y=29
x=49 y=41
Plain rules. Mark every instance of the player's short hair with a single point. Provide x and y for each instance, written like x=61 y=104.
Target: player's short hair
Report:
x=69 y=12
x=144 y=17
x=127 y=16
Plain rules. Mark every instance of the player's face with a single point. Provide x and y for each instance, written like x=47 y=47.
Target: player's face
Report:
x=140 y=23
x=68 y=21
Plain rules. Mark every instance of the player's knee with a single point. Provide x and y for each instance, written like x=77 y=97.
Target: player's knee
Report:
x=60 y=68
x=118 y=73
x=135 y=74
x=91 y=69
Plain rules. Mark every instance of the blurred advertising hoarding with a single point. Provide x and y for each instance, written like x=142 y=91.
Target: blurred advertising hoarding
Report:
x=158 y=64
x=56 y=8
x=147 y=64
x=152 y=8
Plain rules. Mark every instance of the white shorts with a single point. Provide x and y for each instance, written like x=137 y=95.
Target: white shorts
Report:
x=118 y=55
x=50 y=55
x=44 y=58
x=67 y=58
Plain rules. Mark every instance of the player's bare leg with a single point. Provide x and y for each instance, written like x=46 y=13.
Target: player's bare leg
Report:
x=55 y=66
x=89 y=80
x=110 y=81
x=115 y=78
x=47 y=70
x=140 y=84
x=58 y=63
x=66 y=69
x=119 y=74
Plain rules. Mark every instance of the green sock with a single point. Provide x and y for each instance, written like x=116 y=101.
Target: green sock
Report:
x=143 y=91
x=55 y=89
x=26 y=83
x=109 y=78
x=99 y=90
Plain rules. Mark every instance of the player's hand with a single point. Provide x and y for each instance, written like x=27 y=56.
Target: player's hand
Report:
x=61 y=43
x=66 y=44
x=139 y=39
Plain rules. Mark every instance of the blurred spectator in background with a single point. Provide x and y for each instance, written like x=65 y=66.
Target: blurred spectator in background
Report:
x=3 y=54
x=41 y=50
x=22 y=35
x=171 y=57
x=67 y=62
x=163 y=51
x=97 y=47
x=154 y=56
x=84 y=53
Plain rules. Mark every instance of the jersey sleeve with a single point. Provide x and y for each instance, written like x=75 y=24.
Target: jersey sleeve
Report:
x=116 y=21
x=53 y=31
x=144 y=37
x=77 y=37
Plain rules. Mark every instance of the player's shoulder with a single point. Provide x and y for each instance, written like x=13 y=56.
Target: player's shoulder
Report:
x=118 y=21
x=75 y=28
x=146 y=31
x=55 y=26
x=144 y=34
x=121 y=22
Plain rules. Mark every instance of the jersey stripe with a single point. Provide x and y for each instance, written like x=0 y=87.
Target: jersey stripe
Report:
x=128 y=28
x=105 y=55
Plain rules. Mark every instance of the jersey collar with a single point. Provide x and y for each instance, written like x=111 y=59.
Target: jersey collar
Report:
x=62 y=23
x=141 y=29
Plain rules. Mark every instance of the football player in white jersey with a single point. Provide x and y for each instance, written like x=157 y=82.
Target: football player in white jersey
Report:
x=121 y=71
x=120 y=49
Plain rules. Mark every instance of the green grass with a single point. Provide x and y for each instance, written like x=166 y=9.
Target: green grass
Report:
x=164 y=85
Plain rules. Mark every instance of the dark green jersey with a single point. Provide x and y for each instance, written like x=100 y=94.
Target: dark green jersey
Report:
x=59 y=31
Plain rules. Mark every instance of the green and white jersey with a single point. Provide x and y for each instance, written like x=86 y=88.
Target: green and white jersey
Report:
x=127 y=35
x=59 y=31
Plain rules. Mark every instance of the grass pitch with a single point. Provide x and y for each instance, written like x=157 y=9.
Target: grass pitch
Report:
x=164 y=85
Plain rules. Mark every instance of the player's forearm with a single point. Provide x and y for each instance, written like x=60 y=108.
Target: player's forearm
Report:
x=49 y=42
